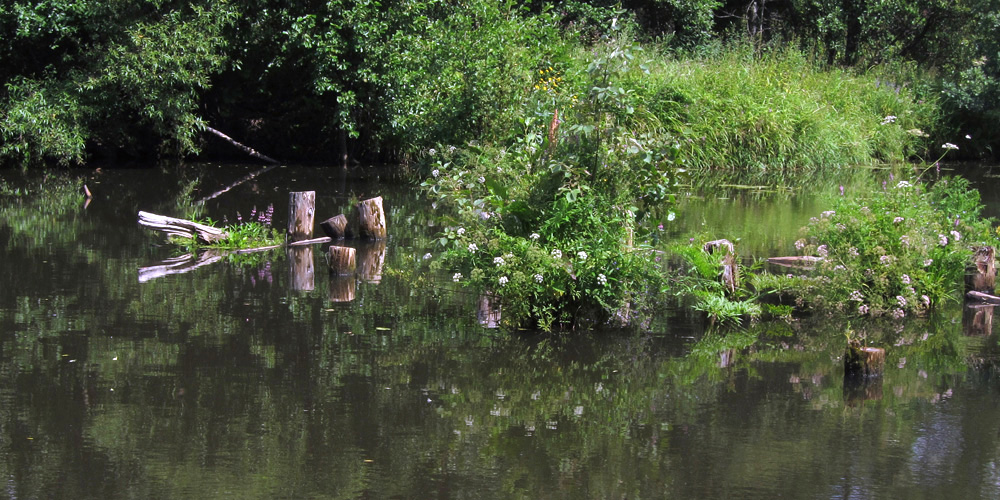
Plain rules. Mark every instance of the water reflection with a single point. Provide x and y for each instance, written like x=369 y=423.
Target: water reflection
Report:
x=241 y=379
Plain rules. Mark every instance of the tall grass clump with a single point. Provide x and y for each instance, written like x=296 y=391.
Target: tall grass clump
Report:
x=777 y=111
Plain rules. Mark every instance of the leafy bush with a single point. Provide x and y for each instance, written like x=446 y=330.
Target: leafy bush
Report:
x=898 y=250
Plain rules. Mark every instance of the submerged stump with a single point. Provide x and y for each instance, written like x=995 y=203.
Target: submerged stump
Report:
x=301 y=210
x=300 y=268
x=372 y=219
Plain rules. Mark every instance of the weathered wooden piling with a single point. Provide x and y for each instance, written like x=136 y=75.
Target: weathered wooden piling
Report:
x=864 y=362
x=341 y=260
x=729 y=275
x=301 y=213
x=335 y=227
x=372 y=219
x=301 y=268
x=980 y=273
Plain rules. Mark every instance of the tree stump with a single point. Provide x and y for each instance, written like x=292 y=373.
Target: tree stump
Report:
x=335 y=227
x=371 y=260
x=300 y=267
x=980 y=274
x=341 y=260
x=729 y=275
x=863 y=362
x=977 y=320
x=372 y=219
x=301 y=210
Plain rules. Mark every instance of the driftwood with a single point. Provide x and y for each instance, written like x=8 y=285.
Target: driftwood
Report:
x=806 y=262
x=313 y=241
x=181 y=227
x=248 y=150
x=982 y=297
x=372 y=219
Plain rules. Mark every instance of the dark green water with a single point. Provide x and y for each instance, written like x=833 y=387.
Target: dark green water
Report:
x=249 y=380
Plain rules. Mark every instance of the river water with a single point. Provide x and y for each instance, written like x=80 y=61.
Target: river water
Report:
x=122 y=377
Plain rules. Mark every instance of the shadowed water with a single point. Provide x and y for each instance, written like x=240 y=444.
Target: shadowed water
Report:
x=243 y=379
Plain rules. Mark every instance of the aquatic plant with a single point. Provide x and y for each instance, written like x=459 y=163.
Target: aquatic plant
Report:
x=897 y=250
x=254 y=232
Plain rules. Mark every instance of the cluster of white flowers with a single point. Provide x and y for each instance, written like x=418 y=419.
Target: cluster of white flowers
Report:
x=903 y=184
x=431 y=151
x=822 y=251
x=800 y=244
x=557 y=253
x=926 y=300
x=943 y=240
x=538 y=278
x=901 y=300
x=955 y=235
x=898 y=314
x=949 y=145
x=853 y=252
x=473 y=247
x=535 y=236
x=886 y=260
x=904 y=240
x=503 y=280
x=889 y=119
x=857 y=296
x=482 y=179
x=435 y=172
x=498 y=261
x=897 y=220
x=582 y=255
x=827 y=214
x=905 y=279
x=461 y=231
x=928 y=262
x=456 y=277
x=427 y=256
x=602 y=279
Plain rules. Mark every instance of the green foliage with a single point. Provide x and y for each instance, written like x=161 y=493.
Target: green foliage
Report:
x=898 y=250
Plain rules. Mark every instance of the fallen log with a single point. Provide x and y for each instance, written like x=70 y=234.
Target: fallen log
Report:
x=181 y=227
x=983 y=297
x=797 y=261
x=246 y=149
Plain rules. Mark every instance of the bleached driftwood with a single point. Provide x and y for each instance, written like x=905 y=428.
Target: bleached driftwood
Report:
x=181 y=227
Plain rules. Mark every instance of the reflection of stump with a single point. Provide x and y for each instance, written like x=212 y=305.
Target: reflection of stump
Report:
x=371 y=219
x=300 y=265
x=371 y=260
x=342 y=288
x=977 y=320
x=489 y=311
x=341 y=260
x=980 y=274
x=301 y=210
x=858 y=390
x=863 y=362
x=335 y=227
x=727 y=358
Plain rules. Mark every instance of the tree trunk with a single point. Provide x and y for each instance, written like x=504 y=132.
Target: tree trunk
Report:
x=301 y=210
x=241 y=147
x=372 y=219
x=864 y=362
x=980 y=274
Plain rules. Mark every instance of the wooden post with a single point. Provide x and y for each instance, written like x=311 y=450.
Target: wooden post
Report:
x=372 y=219
x=300 y=267
x=980 y=274
x=371 y=260
x=730 y=272
x=301 y=210
x=335 y=227
x=863 y=362
x=341 y=260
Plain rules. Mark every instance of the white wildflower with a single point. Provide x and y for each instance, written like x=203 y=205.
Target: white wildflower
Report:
x=473 y=247
x=538 y=278
x=435 y=172
x=535 y=236
x=897 y=220
x=602 y=279
x=800 y=244
x=427 y=256
x=942 y=240
x=903 y=184
x=557 y=253
x=905 y=279
x=898 y=314
x=889 y=119
x=498 y=261
x=432 y=151
x=857 y=296
x=901 y=300
x=461 y=231
x=822 y=251
x=582 y=255
x=949 y=145
x=955 y=235
x=863 y=309
x=456 y=277
x=482 y=179
x=928 y=262
x=502 y=281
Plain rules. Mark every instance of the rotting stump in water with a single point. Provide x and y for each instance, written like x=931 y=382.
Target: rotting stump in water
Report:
x=863 y=362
